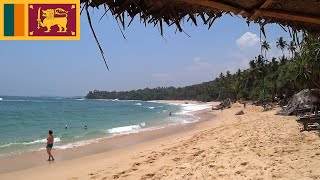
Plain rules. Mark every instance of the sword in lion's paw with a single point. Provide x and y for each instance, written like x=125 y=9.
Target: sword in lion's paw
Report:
x=39 y=19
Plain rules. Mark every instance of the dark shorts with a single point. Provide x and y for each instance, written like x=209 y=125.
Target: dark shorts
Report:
x=315 y=103
x=50 y=145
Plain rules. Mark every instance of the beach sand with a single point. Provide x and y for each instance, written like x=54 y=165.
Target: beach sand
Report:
x=256 y=145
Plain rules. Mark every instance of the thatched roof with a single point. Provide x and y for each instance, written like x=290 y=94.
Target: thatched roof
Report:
x=298 y=14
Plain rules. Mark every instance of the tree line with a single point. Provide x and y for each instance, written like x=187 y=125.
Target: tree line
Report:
x=264 y=79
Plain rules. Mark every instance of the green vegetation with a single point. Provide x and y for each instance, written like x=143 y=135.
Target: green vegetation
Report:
x=264 y=78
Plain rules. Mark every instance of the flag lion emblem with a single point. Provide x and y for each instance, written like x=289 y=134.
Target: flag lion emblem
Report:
x=53 y=17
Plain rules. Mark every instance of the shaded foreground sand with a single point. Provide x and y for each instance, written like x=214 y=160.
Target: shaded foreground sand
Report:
x=256 y=145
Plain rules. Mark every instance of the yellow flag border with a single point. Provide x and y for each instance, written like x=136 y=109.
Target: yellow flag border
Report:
x=26 y=28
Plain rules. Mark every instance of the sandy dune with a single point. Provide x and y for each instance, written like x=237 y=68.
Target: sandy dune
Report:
x=256 y=145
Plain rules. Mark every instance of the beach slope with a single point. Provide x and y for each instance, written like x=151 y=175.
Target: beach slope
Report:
x=256 y=145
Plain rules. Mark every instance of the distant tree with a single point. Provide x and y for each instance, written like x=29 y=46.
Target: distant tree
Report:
x=292 y=48
x=281 y=44
x=265 y=46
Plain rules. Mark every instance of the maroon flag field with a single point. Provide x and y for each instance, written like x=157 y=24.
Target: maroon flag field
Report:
x=52 y=19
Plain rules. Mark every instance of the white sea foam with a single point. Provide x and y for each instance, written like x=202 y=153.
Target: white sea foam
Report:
x=23 y=100
x=18 y=100
x=0 y=99
x=138 y=104
x=114 y=131
x=185 y=116
x=38 y=141
x=129 y=100
x=40 y=101
x=75 y=144
x=81 y=99
x=126 y=129
x=189 y=108
x=151 y=107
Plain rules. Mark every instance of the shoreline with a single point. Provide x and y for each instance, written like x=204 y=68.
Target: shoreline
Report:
x=37 y=158
x=255 y=145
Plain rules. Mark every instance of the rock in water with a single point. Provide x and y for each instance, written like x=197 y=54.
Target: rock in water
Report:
x=240 y=113
x=299 y=100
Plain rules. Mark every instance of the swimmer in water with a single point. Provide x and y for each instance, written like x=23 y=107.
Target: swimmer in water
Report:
x=170 y=113
x=66 y=126
x=85 y=127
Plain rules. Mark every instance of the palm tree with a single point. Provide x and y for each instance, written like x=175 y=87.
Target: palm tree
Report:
x=239 y=72
x=228 y=74
x=307 y=62
x=281 y=44
x=292 y=48
x=221 y=76
x=252 y=64
x=265 y=46
x=302 y=72
x=261 y=62
x=274 y=64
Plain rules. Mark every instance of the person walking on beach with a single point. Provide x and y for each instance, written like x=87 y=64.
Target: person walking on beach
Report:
x=315 y=103
x=49 y=146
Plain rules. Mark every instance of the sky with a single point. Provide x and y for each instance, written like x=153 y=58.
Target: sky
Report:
x=146 y=59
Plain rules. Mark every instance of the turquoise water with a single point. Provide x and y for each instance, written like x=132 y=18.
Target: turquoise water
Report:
x=25 y=121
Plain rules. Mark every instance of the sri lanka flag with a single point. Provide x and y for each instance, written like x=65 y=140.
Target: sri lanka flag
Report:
x=39 y=20
x=14 y=20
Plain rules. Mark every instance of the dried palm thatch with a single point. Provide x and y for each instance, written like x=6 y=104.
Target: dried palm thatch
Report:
x=291 y=15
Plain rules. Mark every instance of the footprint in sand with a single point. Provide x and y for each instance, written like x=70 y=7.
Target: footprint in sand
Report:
x=136 y=164
x=115 y=176
x=147 y=176
x=95 y=176
x=176 y=159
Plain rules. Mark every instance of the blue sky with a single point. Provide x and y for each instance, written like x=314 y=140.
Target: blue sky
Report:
x=72 y=68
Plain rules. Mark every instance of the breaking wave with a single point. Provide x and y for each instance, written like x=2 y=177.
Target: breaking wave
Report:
x=38 y=141
x=126 y=129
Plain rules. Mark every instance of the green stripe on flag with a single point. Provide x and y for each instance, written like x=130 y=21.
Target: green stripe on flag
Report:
x=8 y=20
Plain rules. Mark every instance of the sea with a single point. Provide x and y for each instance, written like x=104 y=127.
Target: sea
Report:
x=25 y=121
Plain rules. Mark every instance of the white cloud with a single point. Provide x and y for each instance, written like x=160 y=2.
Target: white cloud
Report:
x=247 y=40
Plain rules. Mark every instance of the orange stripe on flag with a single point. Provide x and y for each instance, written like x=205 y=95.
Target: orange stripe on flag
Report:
x=19 y=20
